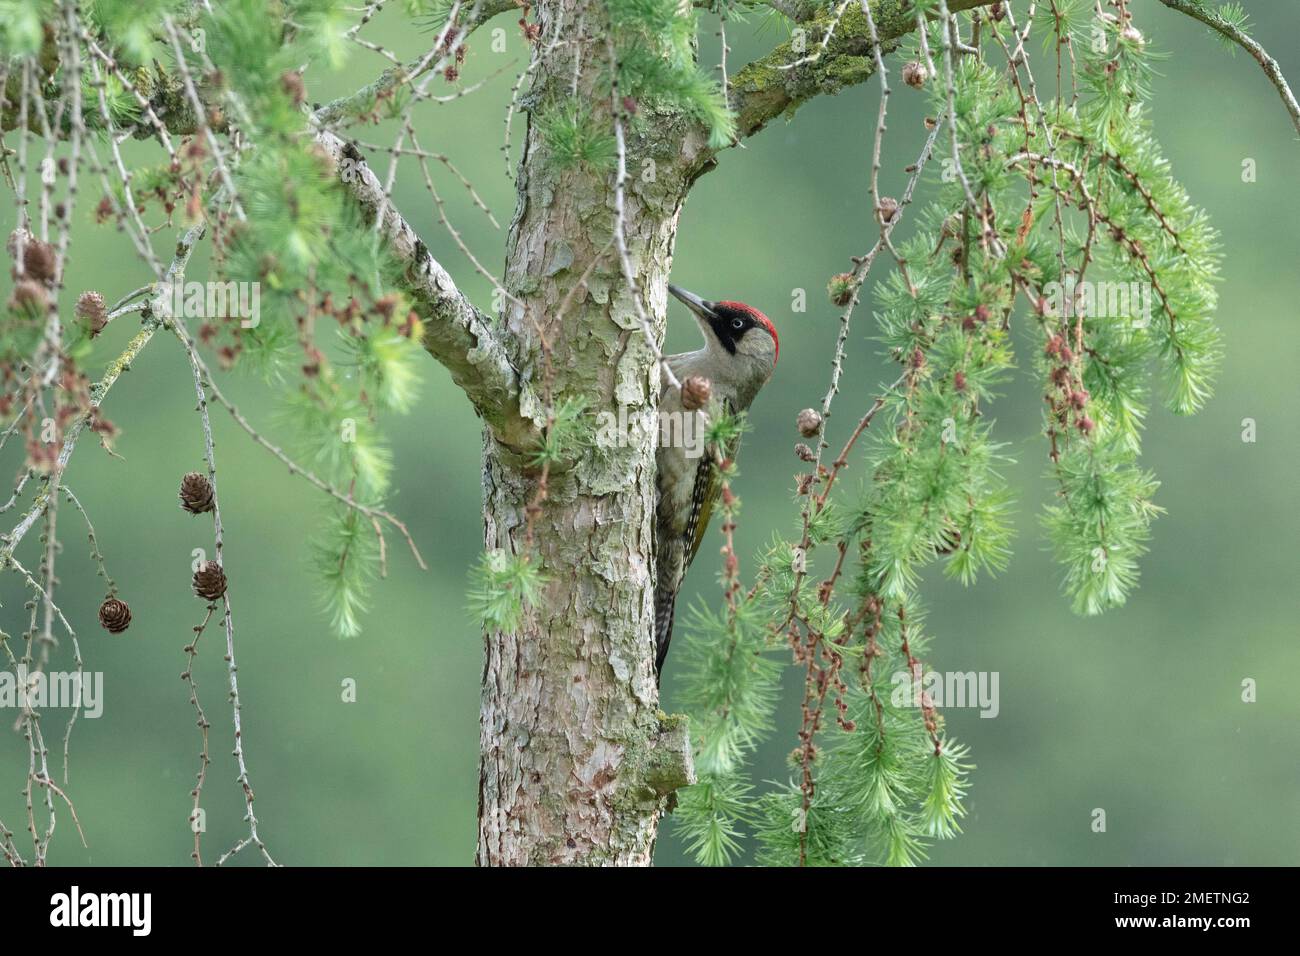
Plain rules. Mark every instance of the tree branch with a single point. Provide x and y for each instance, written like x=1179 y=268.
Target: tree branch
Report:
x=768 y=88
x=390 y=79
x=456 y=333
x=800 y=11
x=1247 y=43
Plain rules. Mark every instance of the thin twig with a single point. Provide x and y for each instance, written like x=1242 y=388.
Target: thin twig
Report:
x=1247 y=43
x=369 y=511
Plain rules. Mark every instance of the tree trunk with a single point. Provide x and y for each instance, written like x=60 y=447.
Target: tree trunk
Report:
x=576 y=759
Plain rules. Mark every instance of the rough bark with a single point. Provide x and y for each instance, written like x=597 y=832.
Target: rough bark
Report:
x=577 y=760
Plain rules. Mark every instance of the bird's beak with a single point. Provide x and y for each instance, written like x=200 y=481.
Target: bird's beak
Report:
x=702 y=308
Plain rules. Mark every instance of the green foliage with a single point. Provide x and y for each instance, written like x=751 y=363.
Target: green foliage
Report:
x=295 y=208
x=1075 y=214
x=386 y=364
x=20 y=26
x=338 y=440
x=503 y=587
x=1063 y=19
x=1234 y=15
x=1034 y=197
x=656 y=63
x=880 y=797
x=344 y=555
x=944 y=790
x=22 y=325
x=321 y=25
x=247 y=39
x=567 y=434
x=133 y=26
x=724 y=427
x=1100 y=530
x=896 y=792
x=122 y=107
x=575 y=138
x=431 y=14
x=709 y=816
x=315 y=260
x=732 y=685
x=823 y=834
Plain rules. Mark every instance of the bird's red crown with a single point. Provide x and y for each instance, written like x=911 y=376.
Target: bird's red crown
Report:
x=759 y=319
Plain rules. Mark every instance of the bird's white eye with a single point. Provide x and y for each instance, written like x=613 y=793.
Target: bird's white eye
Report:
x=737 y=324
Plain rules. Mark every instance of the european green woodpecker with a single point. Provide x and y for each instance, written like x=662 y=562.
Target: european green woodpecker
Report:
x=738 y=358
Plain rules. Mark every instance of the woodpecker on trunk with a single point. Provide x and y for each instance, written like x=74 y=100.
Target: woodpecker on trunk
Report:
x=738 y=357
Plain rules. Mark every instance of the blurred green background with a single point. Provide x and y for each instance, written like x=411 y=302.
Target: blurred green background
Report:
x=1138 y=712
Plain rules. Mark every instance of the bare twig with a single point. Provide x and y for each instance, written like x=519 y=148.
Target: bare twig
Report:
x=620 y=224
x=231 y=667
x=369 y=511
x=1269 y=65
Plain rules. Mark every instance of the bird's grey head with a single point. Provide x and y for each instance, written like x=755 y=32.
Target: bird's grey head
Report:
x=734 y=329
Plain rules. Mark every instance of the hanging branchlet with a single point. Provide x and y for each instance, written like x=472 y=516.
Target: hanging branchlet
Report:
x=191 y=653
x=1046 y=208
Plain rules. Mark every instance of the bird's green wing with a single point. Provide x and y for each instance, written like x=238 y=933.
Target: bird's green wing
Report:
x=708 y=486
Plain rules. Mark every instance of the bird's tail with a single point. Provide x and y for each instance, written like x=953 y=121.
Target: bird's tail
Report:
x=665 y=600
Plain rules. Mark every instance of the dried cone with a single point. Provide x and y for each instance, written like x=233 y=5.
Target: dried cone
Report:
x=38 y=260
x=29 y=296
x=114 y=615
x=887 y=209
x=196 y=493
x=93 y=311
x=915 y=74
x=210 y=581
x=809 y=422
x=696 y=391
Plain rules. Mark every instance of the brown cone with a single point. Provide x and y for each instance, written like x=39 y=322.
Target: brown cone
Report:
x=696 y=391
x=93 y=311
x=915 y=74
x=196 y=493
x=809 y=422
x=38 y=260
x=210 y=581
x=114 y=615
